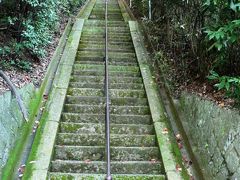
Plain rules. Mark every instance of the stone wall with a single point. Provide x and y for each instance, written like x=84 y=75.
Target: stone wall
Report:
x=214 y=134
x=11 y=120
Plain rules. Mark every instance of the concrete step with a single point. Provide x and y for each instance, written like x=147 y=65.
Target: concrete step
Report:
x=99 y=23
x=111 y=30
x=100 y=118
x=102 y=49
x=99 y=128
x=88 y=109
x=130 y=167
x=116 y=61
x=100 y=79
x=102 y=43
x=97 y=153
x=102 y=54
x=92 y=45
x=102 y=17
x=102 y=73
x=72 y=139
x=101 y=33
x=101 y=62
x=77 y=176
x=110 y=39
x=81 y=67
x=96 y=100
x=113 y=92
x=133 y=86
x=111 y=12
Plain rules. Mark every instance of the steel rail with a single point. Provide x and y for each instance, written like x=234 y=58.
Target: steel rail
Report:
x=107 y=114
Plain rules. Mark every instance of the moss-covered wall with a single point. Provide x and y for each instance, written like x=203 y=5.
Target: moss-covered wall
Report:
x=11 y=120
x=214 y=134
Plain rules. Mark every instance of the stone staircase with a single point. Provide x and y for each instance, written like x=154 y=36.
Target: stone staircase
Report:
x=79 y=151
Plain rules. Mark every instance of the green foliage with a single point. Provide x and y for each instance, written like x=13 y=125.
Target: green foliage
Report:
x=224 y=27
x=198 y=36
x=225 y=36
x=223 y=32
x=11 y=56
x=230 y=84
x=32 y=24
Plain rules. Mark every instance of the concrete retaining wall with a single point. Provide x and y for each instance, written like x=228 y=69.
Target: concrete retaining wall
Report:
x=11 y=120
x=214 y=134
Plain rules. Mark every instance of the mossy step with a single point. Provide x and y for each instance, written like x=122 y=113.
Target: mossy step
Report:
x=110 y=3
x=100 y=79
x=110 y=60
x=101 y=38
x=88 y=44
x=110 y=43
x=75 y=176
x=80 y=67
x=111 y=55
x=96 y=100
x=111 y=36
x=115 y=63
x=99 y=24
x=100 y=118
x=102 y=17
x=102 y=46
x=99 y=140
x=97 y=153
x=113 y=92
x=102 y=49
x=101 y=34
x=99 y=128
x=111 y=29
x=111 y=12
x=130 y=167
x=133 y=86
x=111 y=73
x=88 y=109
x=111 y=23
x=111 y=7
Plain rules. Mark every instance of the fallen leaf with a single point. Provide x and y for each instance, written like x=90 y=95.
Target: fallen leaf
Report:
x=87 y=161
x=178 y=167
x=221 y=104
x=165 y=131
x=153 y=160
x=191 y=178
x=178 y=137
x=45 y=96
x=185 y=159
x=180 y=146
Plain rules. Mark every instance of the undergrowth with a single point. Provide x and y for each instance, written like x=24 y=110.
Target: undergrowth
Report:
x=27 y=28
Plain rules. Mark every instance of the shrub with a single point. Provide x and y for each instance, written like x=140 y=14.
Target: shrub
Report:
x=32 y=24
x=230 y=84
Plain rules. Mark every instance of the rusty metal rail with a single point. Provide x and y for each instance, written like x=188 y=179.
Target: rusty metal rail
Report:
x=107 y=113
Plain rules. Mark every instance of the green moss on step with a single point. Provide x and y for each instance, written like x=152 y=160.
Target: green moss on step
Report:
x=33 y=153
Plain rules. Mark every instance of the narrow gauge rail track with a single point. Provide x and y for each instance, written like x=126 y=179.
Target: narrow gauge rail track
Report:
x=105 y=55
